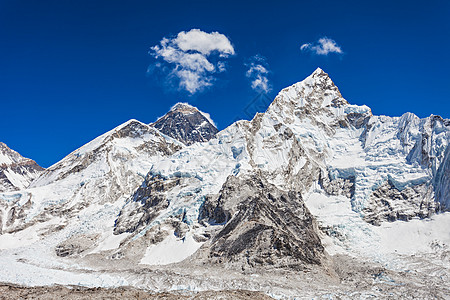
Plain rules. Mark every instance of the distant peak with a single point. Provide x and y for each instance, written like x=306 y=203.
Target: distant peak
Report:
x=16 y=171
x=5 y=149
x=186 y=124
x=319 y=72
x=130 y=122
x=317 y=91
x=318 y=75
x=184 y=107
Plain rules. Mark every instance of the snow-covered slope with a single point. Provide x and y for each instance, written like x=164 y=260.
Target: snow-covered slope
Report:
x=186 y=124
x=312 y=179
x=310 y=140
x=101 y=172
x=16 y=171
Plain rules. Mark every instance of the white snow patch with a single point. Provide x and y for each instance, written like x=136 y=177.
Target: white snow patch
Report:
x=111 y=242
x=347 y=232
x=171 y=250
x=415 y=235
x=26 y=274
x=25 y=237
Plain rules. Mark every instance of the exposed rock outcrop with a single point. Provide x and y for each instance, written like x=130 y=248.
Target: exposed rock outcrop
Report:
x=262 y=226
x=442 y=181
x=389 y=203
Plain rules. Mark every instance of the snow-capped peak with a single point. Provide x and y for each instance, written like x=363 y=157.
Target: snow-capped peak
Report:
x=16 y=171
x=186 y=108
x=319 y=71
x=310 y=97
x=321 y=78
x=7 y=155
x=183 y=107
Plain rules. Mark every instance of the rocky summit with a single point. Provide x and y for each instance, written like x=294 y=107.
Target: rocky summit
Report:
x=186 y=124
x=315 y=197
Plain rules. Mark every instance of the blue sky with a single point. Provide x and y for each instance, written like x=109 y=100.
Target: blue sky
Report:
x=72 y=70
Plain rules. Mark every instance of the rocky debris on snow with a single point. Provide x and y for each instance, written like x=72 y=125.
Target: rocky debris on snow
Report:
x=76 y=245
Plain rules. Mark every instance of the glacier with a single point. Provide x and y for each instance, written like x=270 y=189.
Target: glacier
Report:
x=373 y=190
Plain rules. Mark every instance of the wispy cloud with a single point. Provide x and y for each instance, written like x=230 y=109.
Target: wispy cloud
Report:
x=323 y=46
x=258 y=72
x=192 y=58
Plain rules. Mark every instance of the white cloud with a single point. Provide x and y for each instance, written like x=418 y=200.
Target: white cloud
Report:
x=203 y=42
x=192 y=81
x=188 y=56
x=323 y=46
x=258 y=74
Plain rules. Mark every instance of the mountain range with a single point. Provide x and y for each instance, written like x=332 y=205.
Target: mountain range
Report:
x=314 y=197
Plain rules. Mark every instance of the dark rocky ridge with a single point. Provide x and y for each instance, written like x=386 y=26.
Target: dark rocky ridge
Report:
x=264 y=227
x=186 y=124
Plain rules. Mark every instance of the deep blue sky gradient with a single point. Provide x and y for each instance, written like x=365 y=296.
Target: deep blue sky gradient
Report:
x=72 y=70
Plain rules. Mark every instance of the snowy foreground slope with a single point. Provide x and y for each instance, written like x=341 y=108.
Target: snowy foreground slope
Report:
x=315 y=197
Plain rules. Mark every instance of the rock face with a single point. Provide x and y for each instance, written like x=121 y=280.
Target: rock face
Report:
x=389 y=203
x=75 y=246
x=249 y=223
x=16 y=171
x=442 y=180
x=186 y=124
x=263 y=227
